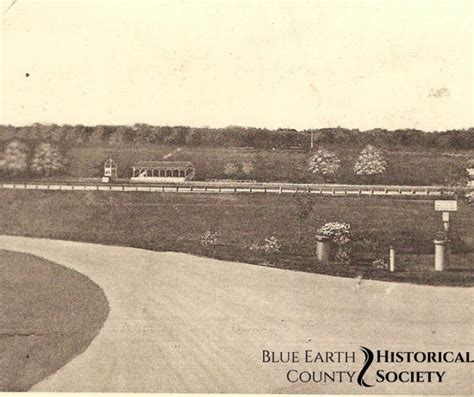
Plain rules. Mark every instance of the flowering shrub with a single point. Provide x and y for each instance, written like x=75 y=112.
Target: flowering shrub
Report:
x=209 y=238
x=339 y=233
x=47 y=160
x=324 y=162
x=271 y=246
x=231 y=169
x=370 y=162
x=380 y=264
x=343 y=255
x=247 y=167
x=14 y=159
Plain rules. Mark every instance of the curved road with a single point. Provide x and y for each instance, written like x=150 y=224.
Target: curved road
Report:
x=180 y=323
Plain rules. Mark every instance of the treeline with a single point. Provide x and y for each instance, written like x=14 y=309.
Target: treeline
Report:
x=233 y=136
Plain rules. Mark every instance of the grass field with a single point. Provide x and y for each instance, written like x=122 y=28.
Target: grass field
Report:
x=49 y=314
x=177 y=222
x=417 y=167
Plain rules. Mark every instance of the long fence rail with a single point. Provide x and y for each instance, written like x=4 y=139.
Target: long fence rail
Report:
x=236 y=187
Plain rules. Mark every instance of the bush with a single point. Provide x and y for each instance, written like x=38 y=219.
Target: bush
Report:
x=271 y=246
x=339 y=233
x=324 y=162
x=47 y=160
x=380 y=264
x=209 y=238
x=14 y=159
x=231 y=169
x=247 y=167
x=370 y=162
x=343 y=255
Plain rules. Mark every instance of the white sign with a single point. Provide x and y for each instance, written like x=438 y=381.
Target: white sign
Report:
x=446 y=205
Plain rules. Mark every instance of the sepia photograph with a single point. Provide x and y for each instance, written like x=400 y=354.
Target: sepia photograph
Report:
x=237 y=196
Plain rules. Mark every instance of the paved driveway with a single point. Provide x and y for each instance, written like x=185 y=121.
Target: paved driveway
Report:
x=180 y=323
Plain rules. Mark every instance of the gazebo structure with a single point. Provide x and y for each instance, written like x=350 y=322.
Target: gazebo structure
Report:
x=162 y=171
x=110 y=170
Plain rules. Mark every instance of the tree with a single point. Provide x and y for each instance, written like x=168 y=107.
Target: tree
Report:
x=14 y=160
x=324 y=162
x=456 y=180
x=77 y=134
x=142 y=133
x=303 y=206
x=231 y=169
x=193 y=137
x=117 y=136
x=247 y=167
x=99 y=132
x=47 y=160
x=370 y=162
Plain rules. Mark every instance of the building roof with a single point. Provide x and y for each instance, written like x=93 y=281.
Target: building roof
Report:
x=163 y=164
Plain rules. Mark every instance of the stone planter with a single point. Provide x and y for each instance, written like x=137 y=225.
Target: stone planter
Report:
x=440 y=254
x=323 y=249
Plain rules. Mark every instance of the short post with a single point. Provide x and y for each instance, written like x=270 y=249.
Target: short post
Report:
x=392 y=259
x=440 y=254
x=446 y=207
x=323 y=249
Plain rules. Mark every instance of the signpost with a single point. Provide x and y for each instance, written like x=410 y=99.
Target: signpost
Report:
x=446 y=206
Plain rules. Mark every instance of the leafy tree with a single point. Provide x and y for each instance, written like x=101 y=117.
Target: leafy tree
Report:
x=174 y=136
x=247 y=167
x=77 y=134
x=324 y=162
x=303 y=206
x=50 y=132
x=370 y=162
x=7 y=132
x=142 y=133
x=99 y=132
x=231 y=169
x=193 y=137
x=456 y=180
x=14 y=159
x=117 y=136
x=47 y=160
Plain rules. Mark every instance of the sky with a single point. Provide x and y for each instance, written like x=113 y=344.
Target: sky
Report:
x=275 y=64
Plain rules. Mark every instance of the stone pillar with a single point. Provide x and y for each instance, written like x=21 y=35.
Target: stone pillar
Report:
x=440 y=254
x=392 y=259
x=323 y=250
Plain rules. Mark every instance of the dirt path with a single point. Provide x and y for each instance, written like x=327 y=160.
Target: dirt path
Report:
x=180 y=323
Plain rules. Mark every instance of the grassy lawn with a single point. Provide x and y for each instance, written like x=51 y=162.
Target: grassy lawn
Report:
x=404 y=167
x=49 y=314
x=176 y=222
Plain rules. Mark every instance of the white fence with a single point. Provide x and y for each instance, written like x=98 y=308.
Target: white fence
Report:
x=241 y=187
